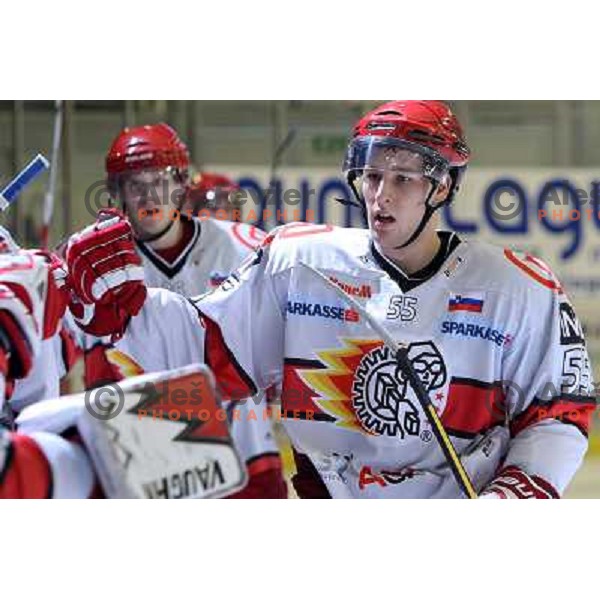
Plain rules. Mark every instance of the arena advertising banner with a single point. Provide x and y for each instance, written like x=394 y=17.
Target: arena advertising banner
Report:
x=553 y=214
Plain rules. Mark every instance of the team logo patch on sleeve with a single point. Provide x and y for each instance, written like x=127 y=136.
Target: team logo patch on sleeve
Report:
x=471 y=303
x=123 y=363
x=571 y=331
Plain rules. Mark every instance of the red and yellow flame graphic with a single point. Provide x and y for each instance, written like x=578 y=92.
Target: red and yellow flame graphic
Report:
x=125 y=365
x=334 y=384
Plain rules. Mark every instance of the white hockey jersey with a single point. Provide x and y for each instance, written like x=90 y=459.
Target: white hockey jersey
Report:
x=44 y=379
x=43 y=382
x=214 y=251
x=492 y=335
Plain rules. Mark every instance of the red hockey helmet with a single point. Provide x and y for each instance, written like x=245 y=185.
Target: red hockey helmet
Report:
x=147 y=147
x=426 y=123
x=427 y=128
x=211 y=190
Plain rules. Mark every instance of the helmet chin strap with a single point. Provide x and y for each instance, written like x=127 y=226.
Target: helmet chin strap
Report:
x=360 y=203
x=429 y=212
x=429 y=209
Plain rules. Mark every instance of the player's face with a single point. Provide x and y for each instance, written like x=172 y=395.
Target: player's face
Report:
x=395 y=192
x=151 y=199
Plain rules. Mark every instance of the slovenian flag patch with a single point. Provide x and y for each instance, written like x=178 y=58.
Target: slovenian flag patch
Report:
x=471 y=303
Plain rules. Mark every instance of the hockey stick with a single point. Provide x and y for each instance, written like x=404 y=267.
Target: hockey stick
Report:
x=51 y=190
x=281 y=150
x=14 y=187
x=276 y=160
x=401 y=352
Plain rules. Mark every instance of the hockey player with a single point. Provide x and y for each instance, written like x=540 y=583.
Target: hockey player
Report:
x=147 y=173
x=147 y=169
x=490 y=333
x=28 y=299
x=44 y=377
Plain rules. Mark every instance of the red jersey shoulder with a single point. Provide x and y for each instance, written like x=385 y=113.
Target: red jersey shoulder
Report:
x=510 y=271
x=534 y=268
x=298 y=230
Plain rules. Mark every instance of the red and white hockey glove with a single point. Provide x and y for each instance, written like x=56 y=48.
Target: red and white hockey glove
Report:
x=106 y=275
x=514 y=483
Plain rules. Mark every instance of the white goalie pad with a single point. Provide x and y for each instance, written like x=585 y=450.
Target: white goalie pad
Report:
x=162 y=435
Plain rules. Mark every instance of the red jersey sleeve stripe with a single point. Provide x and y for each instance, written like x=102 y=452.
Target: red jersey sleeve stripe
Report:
x=574 y=410
x=473 y=407
x=232 y=380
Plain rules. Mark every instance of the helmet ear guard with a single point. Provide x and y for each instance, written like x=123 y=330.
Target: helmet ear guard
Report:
x=456 y=175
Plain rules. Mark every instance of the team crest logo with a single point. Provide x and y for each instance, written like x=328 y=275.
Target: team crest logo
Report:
x=365 y=389
x=380 y=390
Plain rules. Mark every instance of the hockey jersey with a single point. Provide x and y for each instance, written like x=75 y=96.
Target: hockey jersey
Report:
x=44 y=379
x=215 y=249
x=490 y=332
